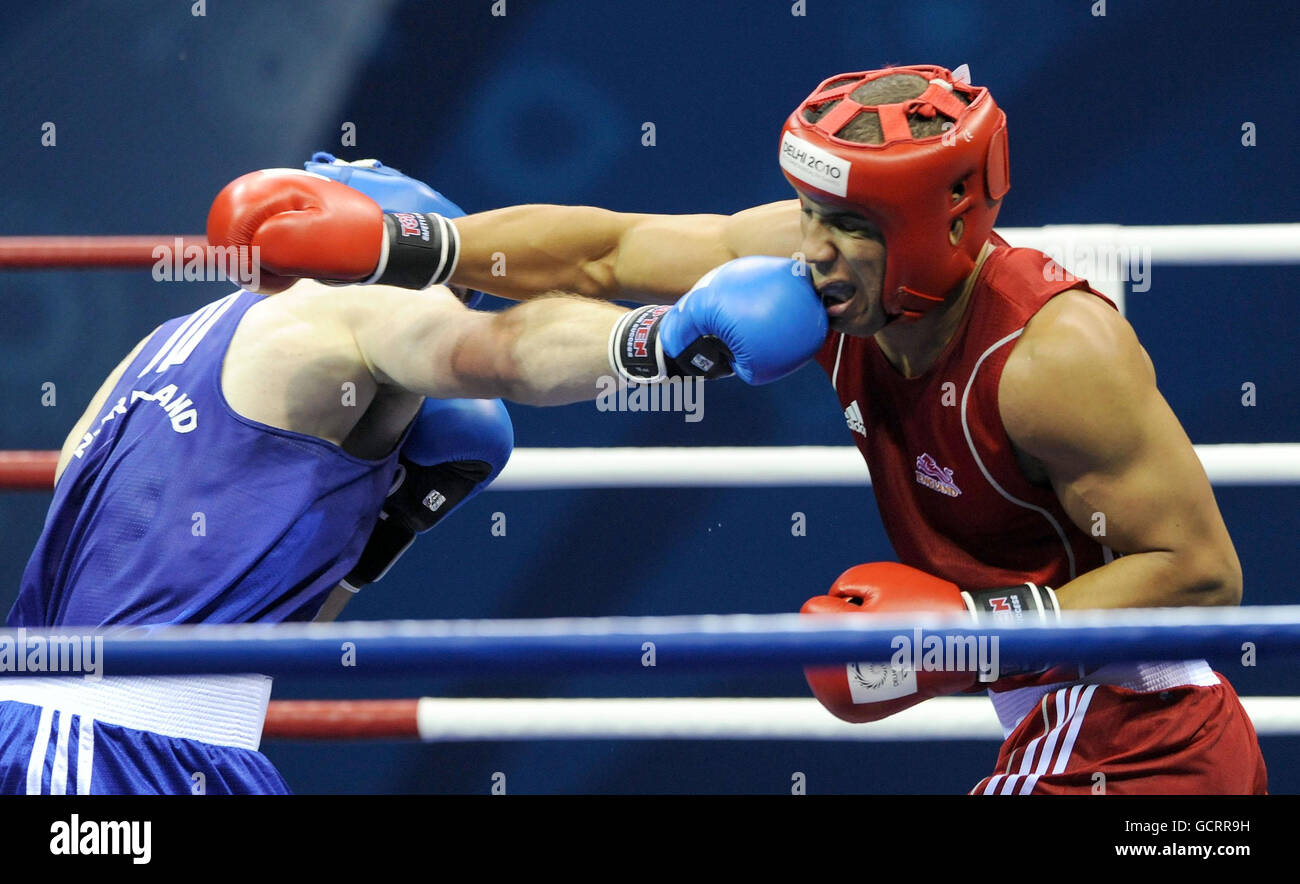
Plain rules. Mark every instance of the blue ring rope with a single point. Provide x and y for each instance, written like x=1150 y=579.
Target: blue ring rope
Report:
x=619 y=645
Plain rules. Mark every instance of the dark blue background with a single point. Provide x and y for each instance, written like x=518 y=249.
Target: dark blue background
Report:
x=1132 y=118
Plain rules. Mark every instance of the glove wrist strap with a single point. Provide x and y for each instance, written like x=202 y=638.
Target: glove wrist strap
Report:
x=419 y=250
x=1027 y=603
x=635 y=352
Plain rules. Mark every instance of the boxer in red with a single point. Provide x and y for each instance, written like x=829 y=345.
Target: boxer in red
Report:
x=1008 y=414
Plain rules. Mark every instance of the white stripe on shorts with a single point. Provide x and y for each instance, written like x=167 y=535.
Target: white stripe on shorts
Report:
x=1071 y=708
x=59 y=773
x=36 y=765
x=85 y=753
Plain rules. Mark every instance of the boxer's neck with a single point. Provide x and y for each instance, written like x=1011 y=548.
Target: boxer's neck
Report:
x=912 y=347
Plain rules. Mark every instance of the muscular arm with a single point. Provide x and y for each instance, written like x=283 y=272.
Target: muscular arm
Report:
x=546 y=352
x=550 y=351
x=1078 y=393
x=612 y=255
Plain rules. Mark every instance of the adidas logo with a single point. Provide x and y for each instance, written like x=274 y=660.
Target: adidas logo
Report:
x=853 y=417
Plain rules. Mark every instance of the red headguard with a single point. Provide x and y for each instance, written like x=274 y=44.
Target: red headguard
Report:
x=916 y=190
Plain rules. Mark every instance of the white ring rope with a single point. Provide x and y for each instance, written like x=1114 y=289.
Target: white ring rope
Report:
x=1188 y=244
x=536 y=469
x=738 y=718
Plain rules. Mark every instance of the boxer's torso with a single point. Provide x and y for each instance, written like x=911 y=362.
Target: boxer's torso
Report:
x=956 y=498
x=177 y=507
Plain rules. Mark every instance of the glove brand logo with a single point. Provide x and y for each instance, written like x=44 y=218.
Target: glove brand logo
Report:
x=935 y=477
x=853 y=417
x=413 y=225
x=640 y=332
x=434 y=500
x=1006 y=608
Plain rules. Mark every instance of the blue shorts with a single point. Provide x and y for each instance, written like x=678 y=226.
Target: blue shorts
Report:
x=47 y=751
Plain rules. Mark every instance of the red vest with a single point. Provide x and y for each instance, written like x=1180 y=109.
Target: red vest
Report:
x=951 y=494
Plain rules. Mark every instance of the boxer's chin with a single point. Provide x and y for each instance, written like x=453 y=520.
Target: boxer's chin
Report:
x=857 y=322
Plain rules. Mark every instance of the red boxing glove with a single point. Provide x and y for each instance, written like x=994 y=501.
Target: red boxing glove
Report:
x=862 y=692
x=306 y=225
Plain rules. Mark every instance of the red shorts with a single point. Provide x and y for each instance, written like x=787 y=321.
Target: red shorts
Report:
x=1094 y=739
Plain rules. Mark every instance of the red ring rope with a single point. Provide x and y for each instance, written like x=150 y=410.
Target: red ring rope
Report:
x=341 y=719
x=27 y=470
x=87 y=252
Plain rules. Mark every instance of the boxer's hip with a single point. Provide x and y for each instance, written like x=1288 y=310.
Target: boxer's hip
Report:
x=141 y=735
x=1144 y=734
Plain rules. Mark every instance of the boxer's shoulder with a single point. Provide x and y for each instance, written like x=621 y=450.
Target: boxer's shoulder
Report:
x=1074 y=336
x=292 y=360
x=1075 y=367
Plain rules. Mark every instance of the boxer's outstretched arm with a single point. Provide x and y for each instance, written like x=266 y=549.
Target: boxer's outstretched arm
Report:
x=550 y=351
x=523 y=251
x=1079 y=394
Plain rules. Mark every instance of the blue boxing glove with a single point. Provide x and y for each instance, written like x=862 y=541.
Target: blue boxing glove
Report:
x=455 y=448
x=758 y=318
x=394 y=192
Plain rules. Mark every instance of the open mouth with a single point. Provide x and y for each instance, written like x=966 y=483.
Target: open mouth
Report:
x=835 y=295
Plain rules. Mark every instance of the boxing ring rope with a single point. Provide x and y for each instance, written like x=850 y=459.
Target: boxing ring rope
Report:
x=466 y=646
x=619 y=645
x=542 y=469
x=443 y=720
x=89 y=252
x=1176 y=244
x=1179 y=244
x=27 y=470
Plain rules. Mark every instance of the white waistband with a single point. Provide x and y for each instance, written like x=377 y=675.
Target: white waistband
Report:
x=1013 y=706
x=225 y=710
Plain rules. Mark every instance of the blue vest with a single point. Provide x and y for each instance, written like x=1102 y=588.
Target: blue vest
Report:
x=175 y=509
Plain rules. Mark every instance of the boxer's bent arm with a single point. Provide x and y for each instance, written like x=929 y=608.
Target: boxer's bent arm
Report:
x=522 y=251
x=549 y=351
x=1079 y=394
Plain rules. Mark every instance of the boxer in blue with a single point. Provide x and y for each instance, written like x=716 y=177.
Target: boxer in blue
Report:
x=262 y=458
